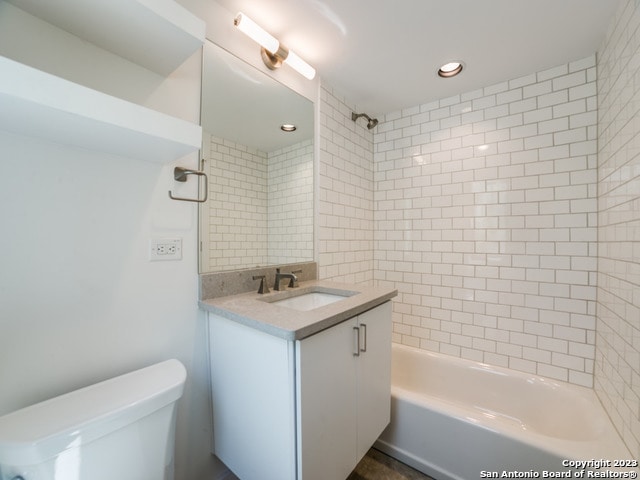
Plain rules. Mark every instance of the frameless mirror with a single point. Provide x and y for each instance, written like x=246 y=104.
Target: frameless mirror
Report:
x=260 y=206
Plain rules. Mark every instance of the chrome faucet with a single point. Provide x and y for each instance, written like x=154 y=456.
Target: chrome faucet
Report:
x=293 y=280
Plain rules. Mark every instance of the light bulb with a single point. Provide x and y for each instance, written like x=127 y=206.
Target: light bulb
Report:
x=256 y=33
x=302 y=67
x=450 y=69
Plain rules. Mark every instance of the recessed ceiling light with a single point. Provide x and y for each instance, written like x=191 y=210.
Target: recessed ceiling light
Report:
x=287 y=127
x=450 y=69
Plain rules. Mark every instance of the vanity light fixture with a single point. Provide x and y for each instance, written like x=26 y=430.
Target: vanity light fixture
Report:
x=287 y=127
x=274 y=54
x=450 y=69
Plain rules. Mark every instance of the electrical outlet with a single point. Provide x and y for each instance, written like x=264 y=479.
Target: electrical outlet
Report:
x=165 y=249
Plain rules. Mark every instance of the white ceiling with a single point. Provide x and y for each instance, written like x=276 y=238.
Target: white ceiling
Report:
x=383 y=54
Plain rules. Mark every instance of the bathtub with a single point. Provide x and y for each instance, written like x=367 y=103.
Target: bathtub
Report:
x=457 y=419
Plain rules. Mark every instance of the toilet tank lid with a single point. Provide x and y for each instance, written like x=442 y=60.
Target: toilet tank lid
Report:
x=41 y=431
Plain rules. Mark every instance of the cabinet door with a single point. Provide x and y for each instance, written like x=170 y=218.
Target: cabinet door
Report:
x=374 y=376
x=326 y=403
x=252 y=377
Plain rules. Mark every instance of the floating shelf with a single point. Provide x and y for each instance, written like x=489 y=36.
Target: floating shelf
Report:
x=38 y=104
x=156 y=34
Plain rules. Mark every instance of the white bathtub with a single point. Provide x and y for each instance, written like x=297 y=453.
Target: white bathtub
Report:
x=457 y=419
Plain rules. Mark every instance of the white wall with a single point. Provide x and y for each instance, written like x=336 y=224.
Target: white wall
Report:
x=79 y=301
x=617 y=374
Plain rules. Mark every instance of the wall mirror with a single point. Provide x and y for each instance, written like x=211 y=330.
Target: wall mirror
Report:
x=260 y=206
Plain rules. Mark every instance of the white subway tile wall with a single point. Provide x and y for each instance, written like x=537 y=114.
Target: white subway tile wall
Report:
x=345 y=203
x=260 y=205
x=485 y=221
x=617 y=372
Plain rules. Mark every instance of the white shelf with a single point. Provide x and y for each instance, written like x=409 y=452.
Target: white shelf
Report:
x=156 y=34
x=38 y=104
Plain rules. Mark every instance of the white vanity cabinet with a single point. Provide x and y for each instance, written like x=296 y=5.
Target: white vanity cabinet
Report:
x=343 y=387
x=300 y=409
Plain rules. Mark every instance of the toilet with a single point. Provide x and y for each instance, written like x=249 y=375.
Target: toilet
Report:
x=122 y=428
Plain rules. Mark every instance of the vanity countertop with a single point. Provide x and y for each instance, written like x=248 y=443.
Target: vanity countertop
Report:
x=256 y=310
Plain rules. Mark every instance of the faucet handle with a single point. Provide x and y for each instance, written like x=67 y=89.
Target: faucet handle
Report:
x=264 y=288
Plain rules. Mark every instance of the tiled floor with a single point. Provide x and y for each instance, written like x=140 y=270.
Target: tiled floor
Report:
x=375 y=466
x=378 y=466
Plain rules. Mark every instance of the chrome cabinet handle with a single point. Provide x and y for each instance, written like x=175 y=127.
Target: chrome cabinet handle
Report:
x=364 y=327
x=357 y=349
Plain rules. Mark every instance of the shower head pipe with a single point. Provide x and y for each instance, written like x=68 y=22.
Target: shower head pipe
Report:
x=371 y=122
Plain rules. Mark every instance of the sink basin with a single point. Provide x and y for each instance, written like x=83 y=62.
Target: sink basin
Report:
x=309 y=301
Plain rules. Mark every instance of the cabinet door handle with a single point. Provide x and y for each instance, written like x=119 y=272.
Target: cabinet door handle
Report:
x=364 y=327
x=357 y=339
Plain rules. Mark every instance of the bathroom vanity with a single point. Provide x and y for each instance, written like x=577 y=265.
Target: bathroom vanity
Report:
x=300 y=378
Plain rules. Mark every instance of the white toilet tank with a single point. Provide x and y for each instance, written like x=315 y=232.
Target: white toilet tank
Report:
x=122 y=428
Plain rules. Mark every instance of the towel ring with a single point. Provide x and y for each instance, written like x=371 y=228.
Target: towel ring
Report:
x=180 y=175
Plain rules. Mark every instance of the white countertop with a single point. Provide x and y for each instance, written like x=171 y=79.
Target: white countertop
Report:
x=256 y=311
